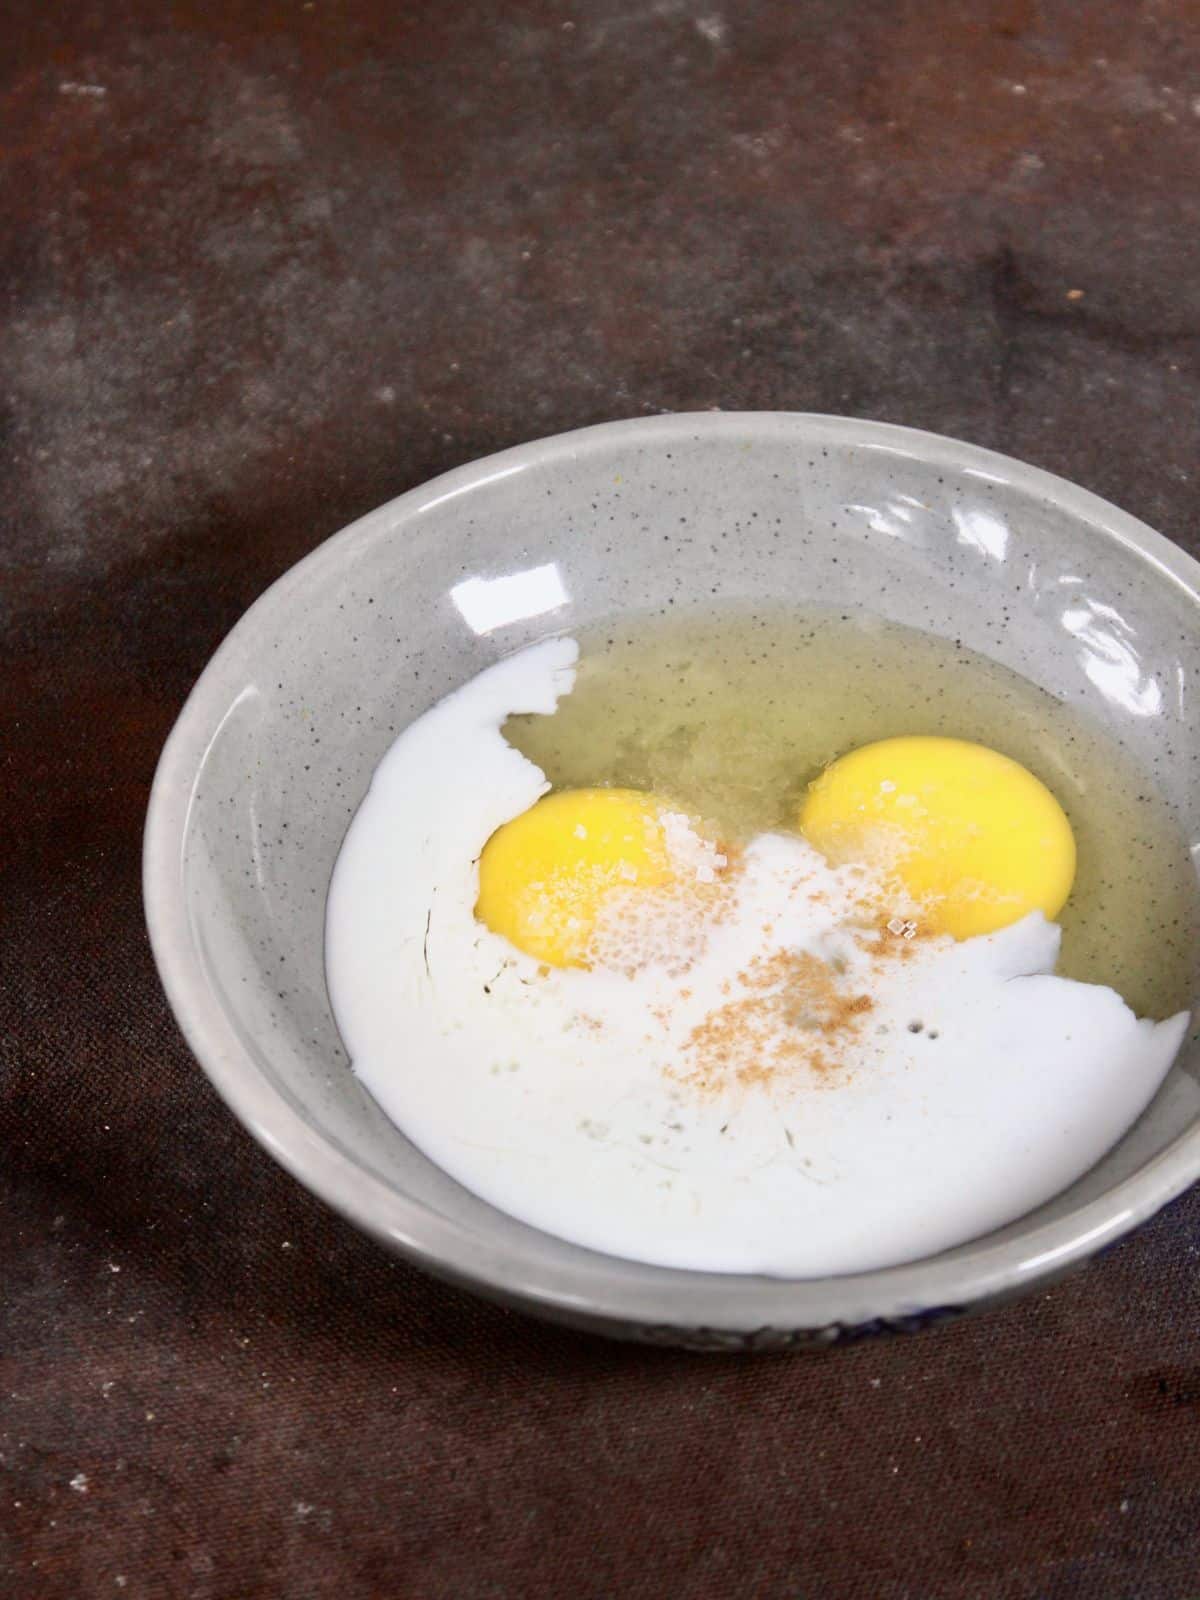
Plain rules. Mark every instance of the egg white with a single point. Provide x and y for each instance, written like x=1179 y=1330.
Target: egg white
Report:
x=562 y=1098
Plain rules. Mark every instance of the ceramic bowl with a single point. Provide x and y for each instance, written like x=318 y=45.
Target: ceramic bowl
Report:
x=276 y=746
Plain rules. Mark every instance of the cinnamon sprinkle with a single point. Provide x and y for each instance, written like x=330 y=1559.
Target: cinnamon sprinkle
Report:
x=795 y=1005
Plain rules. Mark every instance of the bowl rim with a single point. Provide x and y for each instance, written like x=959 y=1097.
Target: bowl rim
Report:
x=604 y=1291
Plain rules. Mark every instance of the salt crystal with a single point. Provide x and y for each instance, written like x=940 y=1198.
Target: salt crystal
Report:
x=689 y=851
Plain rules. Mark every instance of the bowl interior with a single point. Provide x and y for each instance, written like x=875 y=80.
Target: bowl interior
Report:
x=278 y=743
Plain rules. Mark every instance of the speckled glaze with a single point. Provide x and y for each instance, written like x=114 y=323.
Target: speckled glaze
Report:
x=277 y=743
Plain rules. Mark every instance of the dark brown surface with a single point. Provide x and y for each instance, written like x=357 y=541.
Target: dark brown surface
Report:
x=264 y=266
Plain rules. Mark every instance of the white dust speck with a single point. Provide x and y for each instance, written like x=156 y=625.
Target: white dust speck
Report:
x=83 y=91
x=80 y=1483
x=712 y=28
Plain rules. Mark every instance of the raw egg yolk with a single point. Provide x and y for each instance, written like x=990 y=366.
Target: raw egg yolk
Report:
x=544 y=876
x=977 y=840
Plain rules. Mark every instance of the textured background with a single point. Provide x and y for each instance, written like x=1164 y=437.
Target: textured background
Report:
x=263 y=266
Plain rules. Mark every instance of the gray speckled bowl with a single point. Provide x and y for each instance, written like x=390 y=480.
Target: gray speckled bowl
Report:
x=278 y=741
